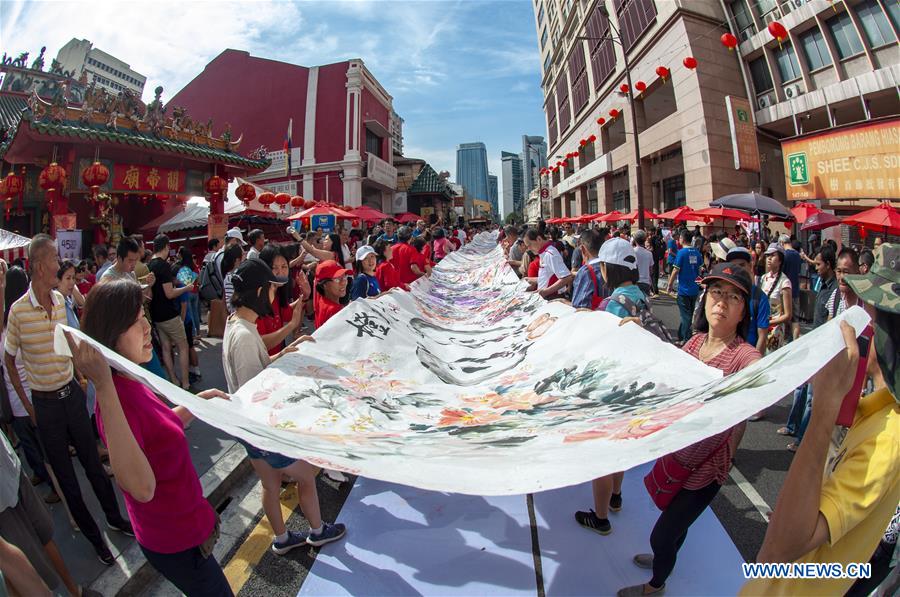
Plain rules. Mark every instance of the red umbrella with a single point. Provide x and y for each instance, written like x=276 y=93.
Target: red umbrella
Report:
x=588 y=218
x=723 y=213
x=884 y=219
x=613 y=216
x=802 y=211
x=368 y=214
x=406 y=218
x=820 y=221
x=680 y=213
x=323 y=209
x=633 y=215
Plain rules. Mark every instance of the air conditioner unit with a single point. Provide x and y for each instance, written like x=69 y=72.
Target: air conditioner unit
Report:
x=763 y=101
x=745 y=34
x=793 y=90
x=775 y=15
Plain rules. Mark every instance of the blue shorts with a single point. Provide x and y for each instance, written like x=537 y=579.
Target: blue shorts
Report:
x=273 y=459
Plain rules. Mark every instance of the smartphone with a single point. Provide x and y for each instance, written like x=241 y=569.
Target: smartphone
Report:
x=848 y=406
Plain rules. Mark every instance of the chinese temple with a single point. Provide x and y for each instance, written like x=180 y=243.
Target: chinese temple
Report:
x=76 y=157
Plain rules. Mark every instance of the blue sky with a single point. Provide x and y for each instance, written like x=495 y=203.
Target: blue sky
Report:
x=459 y=71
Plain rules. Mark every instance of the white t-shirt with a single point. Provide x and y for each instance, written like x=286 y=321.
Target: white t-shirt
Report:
x=552 y=264
x=644 y=263
x=18 y=409
x=244 y=354
x=252 y=253
x=461 y=235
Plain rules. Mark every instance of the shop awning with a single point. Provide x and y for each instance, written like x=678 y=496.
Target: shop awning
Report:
x=13 y=246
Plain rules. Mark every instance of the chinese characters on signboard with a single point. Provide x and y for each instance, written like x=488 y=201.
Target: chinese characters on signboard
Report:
x=862 y=162
x=743 y=134
x=132 y=178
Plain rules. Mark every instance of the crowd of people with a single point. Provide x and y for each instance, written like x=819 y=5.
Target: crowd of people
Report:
x=738 y=297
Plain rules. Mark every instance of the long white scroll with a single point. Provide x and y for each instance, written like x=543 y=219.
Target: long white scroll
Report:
x=470 y=384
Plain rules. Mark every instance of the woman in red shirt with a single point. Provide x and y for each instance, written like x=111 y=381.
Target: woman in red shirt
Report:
x=385 y=272
x=331 y=287
x=287 y=316
x=722 y=325
x=173 y=523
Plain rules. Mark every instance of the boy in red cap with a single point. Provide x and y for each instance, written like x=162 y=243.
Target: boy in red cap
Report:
x=331 y=287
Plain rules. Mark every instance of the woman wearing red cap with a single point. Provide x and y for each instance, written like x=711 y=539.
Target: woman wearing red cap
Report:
x=331 y=287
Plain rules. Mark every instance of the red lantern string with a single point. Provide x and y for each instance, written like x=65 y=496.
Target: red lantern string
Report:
x=729 y=41
x=640 y=86
x=614 y=113
x=690 y=62
x=592 y=138
x=778 y=31
x=623 y=88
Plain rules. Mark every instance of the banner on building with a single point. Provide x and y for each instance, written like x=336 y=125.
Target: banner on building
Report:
x=68 y=243
x=855 y=162
x=470 y=384
x=743 y=134
x=217 y=226
x=132 y=178
x=64 y=221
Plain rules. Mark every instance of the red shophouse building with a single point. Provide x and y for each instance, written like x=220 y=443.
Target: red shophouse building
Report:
x=340 y=115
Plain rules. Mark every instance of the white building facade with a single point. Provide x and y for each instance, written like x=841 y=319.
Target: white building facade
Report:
x=105 y=70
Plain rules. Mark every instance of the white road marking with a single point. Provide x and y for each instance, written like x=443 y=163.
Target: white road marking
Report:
x=747 y=488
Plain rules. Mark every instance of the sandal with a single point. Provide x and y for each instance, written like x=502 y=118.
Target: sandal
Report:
x=792 y=447
x=784 y=431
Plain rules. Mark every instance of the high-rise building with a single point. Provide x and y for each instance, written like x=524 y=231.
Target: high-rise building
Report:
x=79 y=56
x=492 y=191
x=396 y=133
x=513 y=198
x=534 y=157
x=472 y=170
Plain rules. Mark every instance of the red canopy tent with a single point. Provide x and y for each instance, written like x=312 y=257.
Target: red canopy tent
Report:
x=323 y=209
x=613 y=216
x=883 y=219
x=680 y=214
x=407 y=218
x=633 y=215
x=723 y=213
x=803 y=211
x=368 y=214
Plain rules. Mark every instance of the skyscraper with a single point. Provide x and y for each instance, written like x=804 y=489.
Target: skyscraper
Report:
x=534 y=157
x=513 y=199
x=492 y=189
x=472 y=170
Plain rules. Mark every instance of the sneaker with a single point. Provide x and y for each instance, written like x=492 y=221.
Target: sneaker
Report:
x=123 y=526
x=330 y=532
x=592 y=522
x=337 y=476
x=293 y=540
x=643 y=560
x=51 y=498
x=104 y=555
x=615 y=502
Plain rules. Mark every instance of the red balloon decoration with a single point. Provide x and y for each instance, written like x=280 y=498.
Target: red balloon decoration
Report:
x=614 y=113
x=601 y=121
x=729 y=41
x=690 y=62
x=778 y=31
x=663 y=72
x=623 y=88
x=640 y=86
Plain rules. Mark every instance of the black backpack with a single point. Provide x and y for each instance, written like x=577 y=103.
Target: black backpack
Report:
x=212 y=286
x=649 y=321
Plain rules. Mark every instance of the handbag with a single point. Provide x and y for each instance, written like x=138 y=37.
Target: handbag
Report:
x=668 y=476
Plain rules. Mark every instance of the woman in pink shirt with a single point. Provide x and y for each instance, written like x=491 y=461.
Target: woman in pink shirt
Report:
x=174 y=525
x=442 y=246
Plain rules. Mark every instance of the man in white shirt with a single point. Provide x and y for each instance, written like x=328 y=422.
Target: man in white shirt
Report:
x=644 y=261
x=257 y=240
x=553 y=275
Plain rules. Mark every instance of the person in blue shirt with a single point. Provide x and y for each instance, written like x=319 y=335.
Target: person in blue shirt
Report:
x=671 y=252
x=687 y=267
x=390 y=232
x=365 y=284
x=589 y=290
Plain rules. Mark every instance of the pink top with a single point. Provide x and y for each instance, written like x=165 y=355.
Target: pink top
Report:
x=442 y=248
x=733 y=357
x=178 y=517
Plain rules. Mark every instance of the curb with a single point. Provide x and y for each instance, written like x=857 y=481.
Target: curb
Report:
x=132 y=573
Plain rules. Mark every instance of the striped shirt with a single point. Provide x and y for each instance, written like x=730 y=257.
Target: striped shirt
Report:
x=30 y=334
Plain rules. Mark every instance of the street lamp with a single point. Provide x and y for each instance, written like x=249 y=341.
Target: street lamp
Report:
x=637 y=147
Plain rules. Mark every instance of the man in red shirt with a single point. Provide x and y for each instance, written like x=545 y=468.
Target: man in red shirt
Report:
x=405 y=258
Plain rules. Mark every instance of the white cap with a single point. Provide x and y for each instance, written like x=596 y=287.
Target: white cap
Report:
x=618 y=251
x=363 y=252
x=235 y=233
x=721 y=248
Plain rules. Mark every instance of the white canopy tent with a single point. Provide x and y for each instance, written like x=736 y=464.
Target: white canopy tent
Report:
x=13 y=246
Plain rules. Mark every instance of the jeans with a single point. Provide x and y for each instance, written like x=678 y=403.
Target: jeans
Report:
x=798 y=407
x=194 y=308
x=807 y=411
x=190 y=572
x=686 y=306
x=671 y=528
x=26 y=431
x=59 y=422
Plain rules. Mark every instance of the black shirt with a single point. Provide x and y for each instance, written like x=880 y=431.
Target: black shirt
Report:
x=820 y=315
x=162 y=308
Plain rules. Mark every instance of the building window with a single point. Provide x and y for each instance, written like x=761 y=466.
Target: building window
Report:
x=578 y=74
x=673 y=192
x=547 y=62
x=544 y=36
x=635 y=17
x=562 y=96
x=845 y=37
x=742 y=18
x=788 y=67
x=875 y=24
x=814 y=48
x=893 y=9
x=600 y=47
x=762 y=78
x=541 y=15
x=764 y=7
x=551 y=119
x=373 y=143
x=621 y=201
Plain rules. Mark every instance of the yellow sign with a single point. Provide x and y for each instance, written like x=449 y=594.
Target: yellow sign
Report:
x=859 y=162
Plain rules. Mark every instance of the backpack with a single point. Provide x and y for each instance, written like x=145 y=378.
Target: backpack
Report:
x=596 y=299
x=649 y=321
x=211 y=285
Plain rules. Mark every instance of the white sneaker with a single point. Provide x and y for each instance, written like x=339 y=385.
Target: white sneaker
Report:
x=335 y=475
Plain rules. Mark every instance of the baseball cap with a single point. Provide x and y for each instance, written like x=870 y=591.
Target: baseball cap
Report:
x=720 y=249
x=736 y=276
x=235 y=233
x=618 y=251
x=881 y=286
x=329 y=270
x=363 y=252
x=774 y=248
x=252 y=274
x=739 y=253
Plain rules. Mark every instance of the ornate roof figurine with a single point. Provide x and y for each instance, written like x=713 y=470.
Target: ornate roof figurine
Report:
x=38 y=63
x=155 y=118
x=58 y=107
x=259 y=153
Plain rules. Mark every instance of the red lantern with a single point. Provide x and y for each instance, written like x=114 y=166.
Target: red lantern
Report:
x=575 y=155
x=297 y=201
x=592 y=138
x=663 y=72
x=601 y=121
x=3 y=191
x=778 y=31
x=623 y=88
x=863 y=233
x=309 y=204
x=52 y=177
x=282 y=199
x=614 y=113
x=640 y=86
x=216 y=187
x=14 y=184
x=729 y=41
x=266 y=199
x=245 y=192
x=94 y=177
x=689 y=62
x=565 y=164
